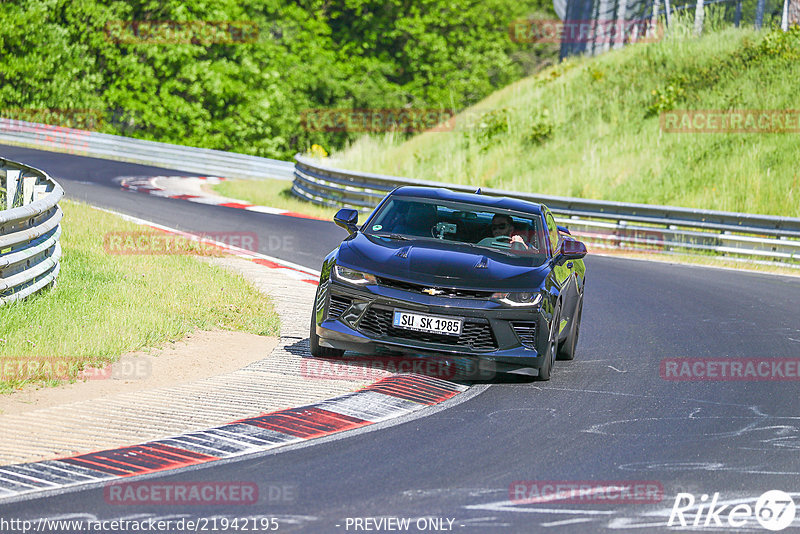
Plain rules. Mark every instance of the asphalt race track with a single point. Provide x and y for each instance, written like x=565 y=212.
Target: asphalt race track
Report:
x=606 y=416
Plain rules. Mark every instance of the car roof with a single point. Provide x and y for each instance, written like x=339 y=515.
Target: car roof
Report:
x=441 y=193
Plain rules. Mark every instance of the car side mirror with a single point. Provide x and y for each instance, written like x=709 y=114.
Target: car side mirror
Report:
x=347 y=218
x=570 y=249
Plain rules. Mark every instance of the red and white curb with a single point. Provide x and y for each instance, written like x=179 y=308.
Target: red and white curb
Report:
x=152 y=185
x=386 y=399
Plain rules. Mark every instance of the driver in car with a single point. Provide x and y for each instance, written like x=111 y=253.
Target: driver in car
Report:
x=502 y=225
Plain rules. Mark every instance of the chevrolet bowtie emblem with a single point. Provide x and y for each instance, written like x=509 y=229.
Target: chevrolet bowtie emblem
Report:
x=433 y=291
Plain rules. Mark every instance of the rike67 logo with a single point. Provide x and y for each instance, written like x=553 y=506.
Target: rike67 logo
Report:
x=774 y=510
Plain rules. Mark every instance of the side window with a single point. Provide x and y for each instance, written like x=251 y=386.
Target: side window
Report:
x=552 y=230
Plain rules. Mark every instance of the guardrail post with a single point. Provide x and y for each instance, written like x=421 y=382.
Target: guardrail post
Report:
x=621 y=24
x=12 y=177
x=654 y=16
x=39 y=191
x=670 y=248
x=698 y=18
x=621 y=234
x=785 y=16
x=759 y=14
x=784 y=239
x=726 y=232
x=28 y=185
x=667 y=13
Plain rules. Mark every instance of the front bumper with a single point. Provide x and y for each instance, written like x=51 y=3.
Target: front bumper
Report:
x=360 y=319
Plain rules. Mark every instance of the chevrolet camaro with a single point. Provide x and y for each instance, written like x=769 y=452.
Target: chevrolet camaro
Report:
x=433 y=272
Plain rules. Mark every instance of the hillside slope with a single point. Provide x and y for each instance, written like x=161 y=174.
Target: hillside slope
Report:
x=591 y=128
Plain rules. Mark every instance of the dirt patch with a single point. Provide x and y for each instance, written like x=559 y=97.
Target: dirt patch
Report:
x=199 y=355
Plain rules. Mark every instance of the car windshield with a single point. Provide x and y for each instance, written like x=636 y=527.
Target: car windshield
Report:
x=509 y=233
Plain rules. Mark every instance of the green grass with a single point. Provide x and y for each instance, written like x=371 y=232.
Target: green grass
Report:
x=273 y=193
x=106 y=304
x=589 y=127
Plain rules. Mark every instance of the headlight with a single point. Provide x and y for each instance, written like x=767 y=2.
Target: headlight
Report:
x=351 y=276
x=523 y=298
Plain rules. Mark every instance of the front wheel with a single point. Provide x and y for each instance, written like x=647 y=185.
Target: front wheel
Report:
x=313 y=341
x=567 y=351
x=552 y=349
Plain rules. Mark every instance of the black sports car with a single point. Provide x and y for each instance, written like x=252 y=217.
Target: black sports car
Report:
x=434 y=272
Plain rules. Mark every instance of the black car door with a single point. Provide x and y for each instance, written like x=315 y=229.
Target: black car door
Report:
x=563 y=275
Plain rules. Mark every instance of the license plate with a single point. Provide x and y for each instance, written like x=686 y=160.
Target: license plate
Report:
x=427 y=323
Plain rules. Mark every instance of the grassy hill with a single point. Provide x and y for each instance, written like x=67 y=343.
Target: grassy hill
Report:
x=590 y=128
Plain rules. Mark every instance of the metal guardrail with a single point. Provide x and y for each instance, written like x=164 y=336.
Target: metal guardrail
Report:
x=29 y=230
x=609 y=224
x=184 y=158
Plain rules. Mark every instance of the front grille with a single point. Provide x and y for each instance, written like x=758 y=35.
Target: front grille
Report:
x=338 y=306
x=526 y=332
x=446 y=292
x=476 y=334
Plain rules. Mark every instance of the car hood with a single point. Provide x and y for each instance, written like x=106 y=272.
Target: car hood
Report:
x=440 y=263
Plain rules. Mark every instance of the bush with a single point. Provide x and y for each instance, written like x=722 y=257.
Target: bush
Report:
x=665 y=99
x=541 y=128
x=490 y=126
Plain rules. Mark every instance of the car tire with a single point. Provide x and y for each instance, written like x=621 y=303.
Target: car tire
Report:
x=567 y=350
x=552 y=349
x=313 y=341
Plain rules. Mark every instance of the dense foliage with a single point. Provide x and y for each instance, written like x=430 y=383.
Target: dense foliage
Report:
x=65 y=59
